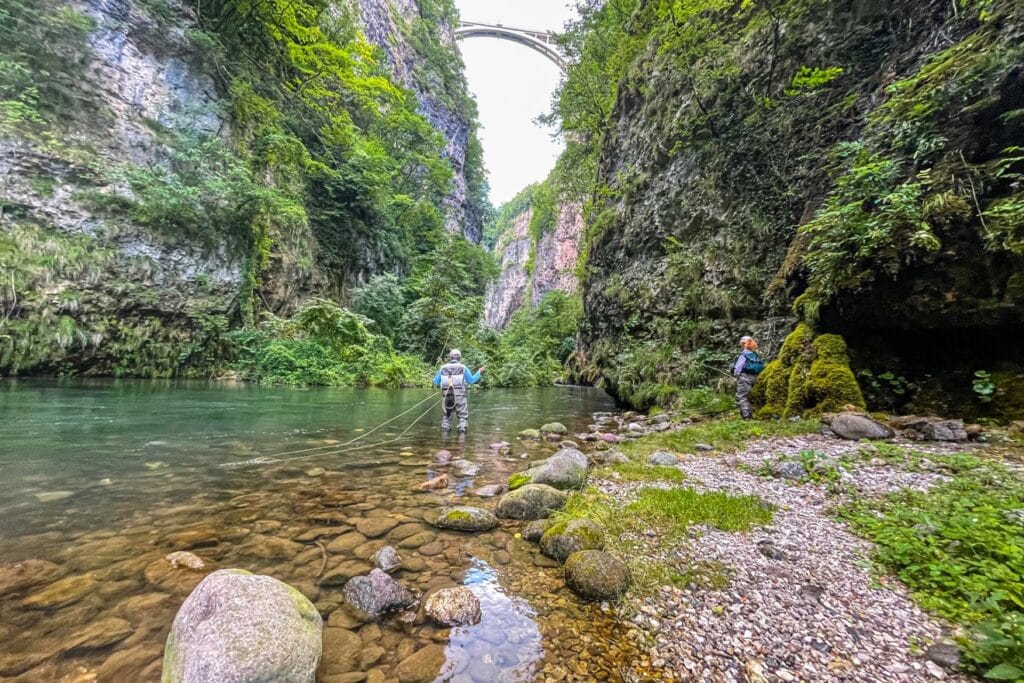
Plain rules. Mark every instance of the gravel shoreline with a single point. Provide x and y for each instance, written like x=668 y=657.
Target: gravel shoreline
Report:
x=802 y=601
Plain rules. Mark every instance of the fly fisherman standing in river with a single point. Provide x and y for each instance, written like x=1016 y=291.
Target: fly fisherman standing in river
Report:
x=454 y=378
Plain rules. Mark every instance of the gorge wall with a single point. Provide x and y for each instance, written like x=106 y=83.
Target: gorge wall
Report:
x=533 y=264
x=853 y=164
x=169 y=170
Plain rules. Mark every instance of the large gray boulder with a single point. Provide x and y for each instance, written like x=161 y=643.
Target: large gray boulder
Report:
x=565 y=538
x=566 y=469
x=533 y=501
x=596 y=575
x=238 y=627
x=462 y=518
x=854 y=426
x=372 y=596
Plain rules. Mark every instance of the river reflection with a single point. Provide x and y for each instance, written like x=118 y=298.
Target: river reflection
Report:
x=103 y=479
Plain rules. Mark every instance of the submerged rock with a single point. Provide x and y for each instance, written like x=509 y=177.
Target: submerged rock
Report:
x=438 y=482
x=453 y=607
x=465 y=468
x=530 y=434
x=532 y=501
x=63 y=592
x=565 y=538
x=98 y=634
x=372 y=527
x=185 y=559
x=18 y=576
x=372 y=596
x=854 y=426
x=238 y=627
x=423 y=666
x=490 y=490
x=663 y=459
x=596 y=575
x=443 y=457
x=462 y=518
x=387 y=559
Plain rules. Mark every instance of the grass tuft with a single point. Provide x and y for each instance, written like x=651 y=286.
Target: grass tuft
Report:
x=637 y=471
x=723 y=435
x=685 y=507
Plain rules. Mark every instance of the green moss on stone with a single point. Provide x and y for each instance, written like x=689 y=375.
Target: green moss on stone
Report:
x=811 y=376
x=518 y=479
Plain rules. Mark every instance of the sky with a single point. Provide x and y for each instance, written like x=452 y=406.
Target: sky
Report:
x=513 y=86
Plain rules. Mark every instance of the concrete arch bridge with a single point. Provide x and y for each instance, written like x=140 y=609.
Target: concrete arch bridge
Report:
x=540 y=41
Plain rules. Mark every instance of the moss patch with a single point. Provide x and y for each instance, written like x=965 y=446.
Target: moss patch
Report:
x=723 y=435
x=811 y=376
x=518 y=479
x=637 y=471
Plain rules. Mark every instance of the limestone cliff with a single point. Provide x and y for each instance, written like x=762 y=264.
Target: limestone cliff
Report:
x=859 y=160
x=531 y=266
x=154 y=196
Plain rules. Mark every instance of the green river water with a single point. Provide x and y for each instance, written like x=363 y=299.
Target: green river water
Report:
x=102 y=479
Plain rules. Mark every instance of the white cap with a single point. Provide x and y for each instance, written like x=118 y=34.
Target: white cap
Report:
x=455 y=354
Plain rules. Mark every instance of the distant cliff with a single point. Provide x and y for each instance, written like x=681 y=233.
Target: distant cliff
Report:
x=538 y=247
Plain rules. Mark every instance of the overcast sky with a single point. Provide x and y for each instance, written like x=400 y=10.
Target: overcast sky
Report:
x=513 y=86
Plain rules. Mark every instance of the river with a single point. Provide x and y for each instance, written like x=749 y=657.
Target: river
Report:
x=102 y=479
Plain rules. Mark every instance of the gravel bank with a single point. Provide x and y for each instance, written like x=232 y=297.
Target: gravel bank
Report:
x=802 y=603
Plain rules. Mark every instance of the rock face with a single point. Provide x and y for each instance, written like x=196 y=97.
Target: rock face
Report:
x=462 y=518
x=566 y=469
x=674 y=240
x=554 y=263
x=854 y=427
x=238 y=627
x=596 y=575
x=532 y=501
x=564 y=539
x=371 y=597
x=383 y=22
x=453 y=607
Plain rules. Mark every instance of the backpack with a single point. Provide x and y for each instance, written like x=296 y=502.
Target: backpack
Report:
x=754 y=364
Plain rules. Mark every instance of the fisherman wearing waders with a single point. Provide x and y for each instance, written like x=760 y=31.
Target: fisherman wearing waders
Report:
x=748 y=366
x=453 y=378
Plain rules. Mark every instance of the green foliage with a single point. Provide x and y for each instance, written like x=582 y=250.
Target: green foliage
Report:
x=323 y=344
x=960 y=549
x=43 y=48
x=638 y=471
x=535 y=346
x=685 y=507
x=809 y=80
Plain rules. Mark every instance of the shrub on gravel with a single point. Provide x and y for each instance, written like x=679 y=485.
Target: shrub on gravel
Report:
x=959 y=547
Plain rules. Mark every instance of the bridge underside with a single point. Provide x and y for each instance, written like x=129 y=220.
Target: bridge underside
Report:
x=522 y=38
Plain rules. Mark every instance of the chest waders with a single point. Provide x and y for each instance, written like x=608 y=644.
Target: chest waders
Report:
x=453 y=389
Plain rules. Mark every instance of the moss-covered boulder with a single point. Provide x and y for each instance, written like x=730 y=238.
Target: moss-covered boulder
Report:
x=566 y=469
x=462 y=518
x=597 y=575
x=565 y=538
x=811 y=376
x=237 y=626
x=554 y=428
x=529 y=502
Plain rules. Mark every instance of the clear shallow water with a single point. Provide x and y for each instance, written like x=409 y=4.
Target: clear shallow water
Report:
x=102 y=479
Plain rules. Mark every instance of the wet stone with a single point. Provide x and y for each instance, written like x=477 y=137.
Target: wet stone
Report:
x=99 y=634
x=403 y=531
x=419 y=539
x=201 y=537
x=371 y=597
x=596 y=575
x=340 y=574
x=490 y=490
x=532 y=501
x=372 y=527
x=453 y=607
x=16 y=577
x=62 y=592
x=422 y=666
x=346 y=543
x=387 y=559
x=321 y=532
x=463 y=518
x=186 y=560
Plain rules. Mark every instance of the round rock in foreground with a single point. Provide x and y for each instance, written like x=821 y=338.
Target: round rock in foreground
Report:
x=596 y=575
x=453 y=607
x=238 y=627
x=462 y=518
